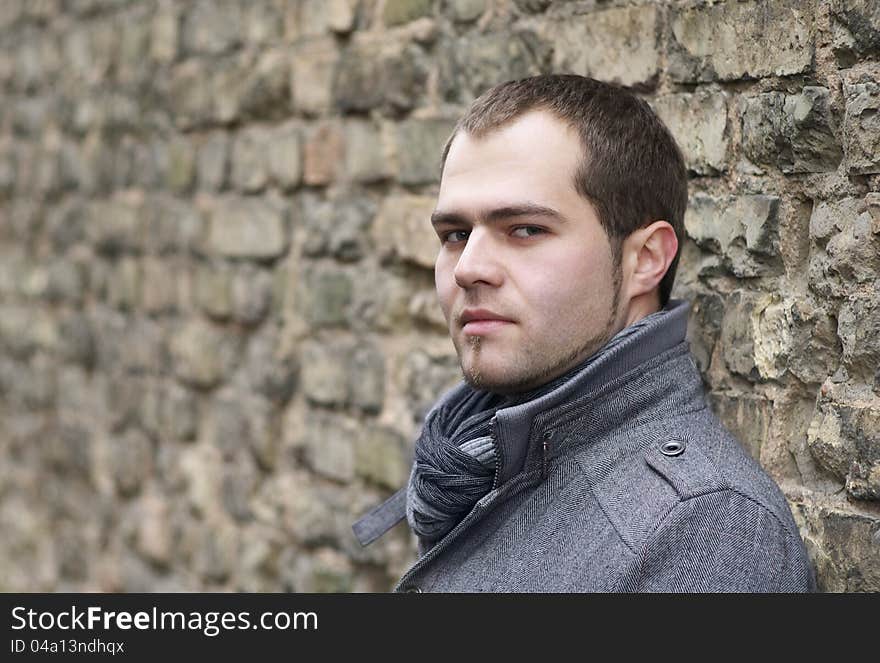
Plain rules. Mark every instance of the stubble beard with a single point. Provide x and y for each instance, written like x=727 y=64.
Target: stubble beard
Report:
x=541 y=373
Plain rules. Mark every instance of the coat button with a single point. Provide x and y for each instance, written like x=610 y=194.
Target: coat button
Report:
x=672 y=447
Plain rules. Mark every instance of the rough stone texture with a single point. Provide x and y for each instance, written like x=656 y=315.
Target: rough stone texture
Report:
x=471 y=65
x=247 y=228
x=855 y=29
x=862 y=126
x=419 y=144
x=844 y=245
x=379 y=74
x=618 y=44
x=403 y=228
x=792 y=132
x=219 y=331
x=699 y=124
x=707 y=40
x=743 y=230
x=203 y=354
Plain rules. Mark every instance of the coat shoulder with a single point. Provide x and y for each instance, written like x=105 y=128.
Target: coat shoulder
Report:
x=644 y=474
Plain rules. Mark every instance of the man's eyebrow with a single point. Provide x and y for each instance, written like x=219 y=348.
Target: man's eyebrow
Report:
x=439 y=217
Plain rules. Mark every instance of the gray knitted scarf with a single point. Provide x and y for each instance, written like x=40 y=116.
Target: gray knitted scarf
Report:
x=455 y=454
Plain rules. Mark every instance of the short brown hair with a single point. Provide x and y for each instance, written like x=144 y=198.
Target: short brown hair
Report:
x=632 y=172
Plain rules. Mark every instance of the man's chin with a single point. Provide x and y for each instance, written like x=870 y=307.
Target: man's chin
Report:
x=498 y=381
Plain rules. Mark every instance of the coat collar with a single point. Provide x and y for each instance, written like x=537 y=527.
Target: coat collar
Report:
x=516 y=427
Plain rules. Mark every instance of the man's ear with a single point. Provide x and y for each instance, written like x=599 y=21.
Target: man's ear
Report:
x=647 y=253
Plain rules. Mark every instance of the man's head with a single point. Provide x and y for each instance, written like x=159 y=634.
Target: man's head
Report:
x=560 y=209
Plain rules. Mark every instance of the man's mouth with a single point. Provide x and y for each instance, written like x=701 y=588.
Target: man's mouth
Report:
x=478 y=321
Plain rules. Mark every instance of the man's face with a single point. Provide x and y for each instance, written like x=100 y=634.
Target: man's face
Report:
x=525 y=274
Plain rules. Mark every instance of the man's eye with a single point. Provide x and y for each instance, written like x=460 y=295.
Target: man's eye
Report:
x=454 y=236
x=527 y=231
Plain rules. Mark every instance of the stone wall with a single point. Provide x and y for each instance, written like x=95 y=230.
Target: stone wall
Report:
x=218 y=331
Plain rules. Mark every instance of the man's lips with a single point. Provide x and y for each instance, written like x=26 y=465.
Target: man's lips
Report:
x=477 y=322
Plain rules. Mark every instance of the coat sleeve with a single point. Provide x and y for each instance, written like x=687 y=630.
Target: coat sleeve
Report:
x=723 y=541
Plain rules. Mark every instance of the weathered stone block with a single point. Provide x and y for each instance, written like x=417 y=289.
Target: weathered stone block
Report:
x=76 y=339
x=250 y=171
x=217 y=555
x=203 y=354
x=248 y=228
x=845 y=440
x=213 y=162
x=845 y=245
x=425 y=377
x=862 y=122
x=213 y=291
x=190 y=95
x=251 y=294
x=171 y=226
x=699 y=124
x=403 y=228
x=374 y=74
x=308 y=512
x=325 y=372
x=795 y=133
x=114 y=226
x=180 y=413
x=143 y=346
x=165 y=33
x=471 y=65
x=815 y=349
x=180 y=165
x=366 y=381
x=310 y=18
x=69 y=449
x=154 y=538
x=65 y=224
x=236 y=489
x=330 y=447
x=124 y=285
x=419 y=145
x=706 y=41
x=230 y=89
x=425 y=307
x=855 y=29
x=618 y=44
x=209 y=31
x=326 y=295
x=312 y=65
x=231 y=428
x=397 y=12
x=160 y=282
x=743 y=229
x=132 y=461
x=858 y=326
x=284 y=157
x=339 y=225
x=738 y=336
x=844 y=546
x=67 y=281
x=271 y=366
x=381 y=457
x=367 y=158
x=327 y=571
x=263 y=22
x=324 y=154
x=467 y=11
x=746 y=417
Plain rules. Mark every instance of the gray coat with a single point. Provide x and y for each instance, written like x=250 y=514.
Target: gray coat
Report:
x=622 y=480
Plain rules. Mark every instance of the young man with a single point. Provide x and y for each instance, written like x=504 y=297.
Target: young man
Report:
x=579 y=454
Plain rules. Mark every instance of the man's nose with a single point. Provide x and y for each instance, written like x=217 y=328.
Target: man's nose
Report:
x=478 y=261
